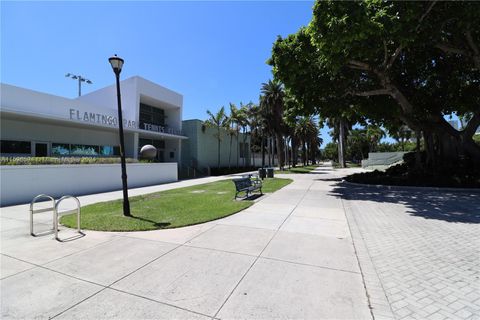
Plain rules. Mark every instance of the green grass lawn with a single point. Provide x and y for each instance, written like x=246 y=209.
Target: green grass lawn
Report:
x=169 y=209
x=305 y=169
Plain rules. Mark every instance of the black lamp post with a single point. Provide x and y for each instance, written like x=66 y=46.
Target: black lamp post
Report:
x=117 y=64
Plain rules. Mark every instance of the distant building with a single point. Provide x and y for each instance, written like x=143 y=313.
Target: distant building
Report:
x=200 y=150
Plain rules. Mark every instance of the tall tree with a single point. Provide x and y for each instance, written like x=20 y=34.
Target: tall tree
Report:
x=307 y=132
x=235 y=119
x=218 y=121
x=243 y=121
x=255 y=123
x=273 y=101
x=388 y=60
x=232 y=130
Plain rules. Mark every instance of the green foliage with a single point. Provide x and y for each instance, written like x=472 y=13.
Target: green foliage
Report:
x=219 y=121
x=19 y=161
x=390 y=62
x=476 y=138
x=357 y=145
x=331 y=151
x=169 y=209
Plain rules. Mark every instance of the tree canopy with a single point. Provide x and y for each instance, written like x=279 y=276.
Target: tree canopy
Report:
x=392 y=62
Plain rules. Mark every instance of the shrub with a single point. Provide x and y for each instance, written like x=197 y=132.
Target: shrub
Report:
x=21 y=161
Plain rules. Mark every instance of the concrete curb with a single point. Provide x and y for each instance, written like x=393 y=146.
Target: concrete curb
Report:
x=411 y=188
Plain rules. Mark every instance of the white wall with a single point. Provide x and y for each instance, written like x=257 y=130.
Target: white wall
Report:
x=60 y=133
x=19 y=184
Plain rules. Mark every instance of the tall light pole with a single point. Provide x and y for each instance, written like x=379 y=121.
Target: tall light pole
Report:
x=117 y=64
x=80 y=80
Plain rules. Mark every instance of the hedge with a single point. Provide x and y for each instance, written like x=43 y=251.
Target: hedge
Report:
x=20 y=161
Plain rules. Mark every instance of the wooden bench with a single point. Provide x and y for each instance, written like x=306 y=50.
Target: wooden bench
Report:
x=247 y=185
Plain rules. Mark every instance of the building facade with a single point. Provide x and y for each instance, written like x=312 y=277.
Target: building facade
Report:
x=200 y=150
x=40 y=124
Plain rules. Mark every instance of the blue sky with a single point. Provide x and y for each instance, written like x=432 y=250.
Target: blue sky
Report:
x=211 y=52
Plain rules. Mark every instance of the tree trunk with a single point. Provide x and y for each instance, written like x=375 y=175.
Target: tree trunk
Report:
x=446 y=147
x=245 y=147
x=292 y=152
x=341 y=144
x=219 y=140
x=280 y=151
x=263 y=151
x=269 y=143
x=230 y=153
x=304 y=153
x=238 y=151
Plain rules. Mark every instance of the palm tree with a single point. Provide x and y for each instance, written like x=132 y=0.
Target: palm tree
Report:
x=232 y=131
x=235 y=119
x=243 y=122
x=307 y=132
x=219 y=121
x=273 y=103
x=374 y=135
x=255 y=122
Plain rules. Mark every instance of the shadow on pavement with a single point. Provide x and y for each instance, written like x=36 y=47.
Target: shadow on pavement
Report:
x=462 y=207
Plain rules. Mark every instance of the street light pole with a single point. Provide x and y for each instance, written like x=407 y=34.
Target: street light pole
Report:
x=117 y=64
x=80 y=80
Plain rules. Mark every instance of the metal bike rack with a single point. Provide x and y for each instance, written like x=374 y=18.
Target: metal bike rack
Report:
x=32 y=211
x=57 y=214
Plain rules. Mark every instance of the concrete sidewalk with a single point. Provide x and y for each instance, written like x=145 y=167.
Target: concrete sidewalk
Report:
x=290 y=255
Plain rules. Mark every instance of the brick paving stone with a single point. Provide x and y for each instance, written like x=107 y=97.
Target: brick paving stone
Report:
x=421 y=245
x=464 y=314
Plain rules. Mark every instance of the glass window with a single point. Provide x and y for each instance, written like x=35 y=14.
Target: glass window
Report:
x=84 y=150
x=151 y=115
x=106 y=151
x=60 y=149
x=19 y=147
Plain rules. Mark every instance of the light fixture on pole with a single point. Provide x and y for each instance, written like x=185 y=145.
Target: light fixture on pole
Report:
x=117 y=64
x=80 y=80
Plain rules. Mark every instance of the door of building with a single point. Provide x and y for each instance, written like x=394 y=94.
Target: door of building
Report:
x=41 y=149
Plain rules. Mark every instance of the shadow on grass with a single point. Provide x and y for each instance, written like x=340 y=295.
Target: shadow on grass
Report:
x=456 y=206
x=155 y=223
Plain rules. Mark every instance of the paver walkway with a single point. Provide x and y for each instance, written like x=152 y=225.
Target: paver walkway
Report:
x=316 y=249
x=419 y=250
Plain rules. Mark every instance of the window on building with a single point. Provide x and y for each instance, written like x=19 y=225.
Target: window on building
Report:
x=15 y=147
x=60 y=149
x=66 y=150
x=84 y=150
x=107 y=151
x=151 y=115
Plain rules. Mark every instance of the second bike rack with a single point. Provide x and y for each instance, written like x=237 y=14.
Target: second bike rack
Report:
x=58 y=214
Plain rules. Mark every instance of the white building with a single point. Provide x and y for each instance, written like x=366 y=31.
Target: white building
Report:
x=40 y=124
